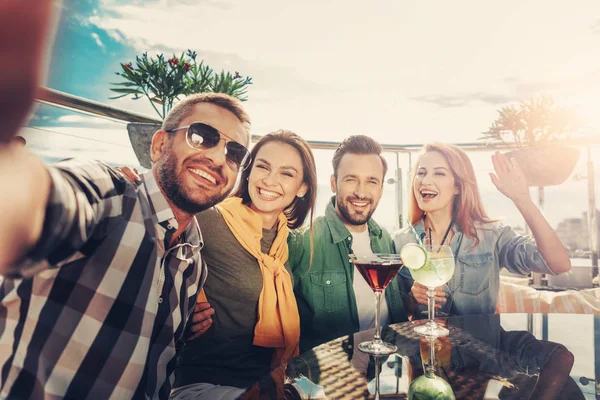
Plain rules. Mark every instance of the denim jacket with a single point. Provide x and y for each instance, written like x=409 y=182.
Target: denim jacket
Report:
x=476 y=282
x=324 y=289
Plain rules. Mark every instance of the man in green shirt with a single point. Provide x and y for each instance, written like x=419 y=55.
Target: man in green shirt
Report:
x=333 y=298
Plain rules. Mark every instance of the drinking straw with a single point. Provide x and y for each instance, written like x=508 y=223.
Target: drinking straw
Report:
x=412 y=228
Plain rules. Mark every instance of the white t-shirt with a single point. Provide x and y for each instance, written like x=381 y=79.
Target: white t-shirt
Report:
x=365 y=297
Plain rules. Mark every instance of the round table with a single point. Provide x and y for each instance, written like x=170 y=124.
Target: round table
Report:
x=508 y=356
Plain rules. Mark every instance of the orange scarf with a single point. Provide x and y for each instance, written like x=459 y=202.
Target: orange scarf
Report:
x=278 y=323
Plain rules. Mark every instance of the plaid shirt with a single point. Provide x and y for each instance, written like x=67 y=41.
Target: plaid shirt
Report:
x=102 y=316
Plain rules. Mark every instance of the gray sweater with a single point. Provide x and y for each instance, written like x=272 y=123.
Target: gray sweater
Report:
x=225 y=355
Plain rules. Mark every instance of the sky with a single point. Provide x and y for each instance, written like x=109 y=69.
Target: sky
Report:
x=400 y=72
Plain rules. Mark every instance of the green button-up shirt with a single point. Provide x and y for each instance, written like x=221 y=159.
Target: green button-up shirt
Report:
x=324 y=289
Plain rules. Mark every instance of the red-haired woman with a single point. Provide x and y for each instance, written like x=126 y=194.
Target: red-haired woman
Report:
x=444 y=203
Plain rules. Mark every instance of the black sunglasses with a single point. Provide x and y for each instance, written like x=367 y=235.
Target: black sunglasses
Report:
x=202 y=136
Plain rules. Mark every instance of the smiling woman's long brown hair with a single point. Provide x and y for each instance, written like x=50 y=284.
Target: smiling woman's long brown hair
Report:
x=299 y=209
x=467 y=206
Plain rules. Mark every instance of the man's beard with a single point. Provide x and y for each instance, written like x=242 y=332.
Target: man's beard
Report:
x=356 y=219
x=174 y=190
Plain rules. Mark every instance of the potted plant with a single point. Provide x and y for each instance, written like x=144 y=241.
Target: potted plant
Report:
x=162 y=82
x=537 y=129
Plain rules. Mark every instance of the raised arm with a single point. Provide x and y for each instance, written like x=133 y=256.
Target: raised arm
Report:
x=84 y=205
x=24 y=181
x=25 y=187
x=510 y=181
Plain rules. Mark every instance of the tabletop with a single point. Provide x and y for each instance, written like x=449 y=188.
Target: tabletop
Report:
x=503 y=356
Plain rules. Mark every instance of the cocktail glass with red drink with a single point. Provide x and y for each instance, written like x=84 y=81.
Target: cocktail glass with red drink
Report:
x=378 y=270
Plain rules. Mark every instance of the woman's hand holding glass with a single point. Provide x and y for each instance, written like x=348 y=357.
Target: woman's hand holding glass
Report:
x=419 y=292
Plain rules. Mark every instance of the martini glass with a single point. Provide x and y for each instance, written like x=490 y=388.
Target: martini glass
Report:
x=378 y=270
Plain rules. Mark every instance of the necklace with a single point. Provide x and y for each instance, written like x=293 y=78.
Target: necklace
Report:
x=450 y=225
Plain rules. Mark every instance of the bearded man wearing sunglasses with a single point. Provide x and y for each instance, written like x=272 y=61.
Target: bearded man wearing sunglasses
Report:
x=99 y=276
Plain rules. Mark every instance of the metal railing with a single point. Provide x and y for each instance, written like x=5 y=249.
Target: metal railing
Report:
x=81 y=105
x=67 y=101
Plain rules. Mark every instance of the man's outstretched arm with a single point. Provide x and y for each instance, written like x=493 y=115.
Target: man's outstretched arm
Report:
x=24 y=191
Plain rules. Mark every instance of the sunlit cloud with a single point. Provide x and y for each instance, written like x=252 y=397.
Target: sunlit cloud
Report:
x=386 y=68
x=115 y=35
x=97 y=40
x=448 y=101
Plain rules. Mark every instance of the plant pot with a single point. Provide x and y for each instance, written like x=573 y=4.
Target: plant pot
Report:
x=140 y=136
x=545 y=165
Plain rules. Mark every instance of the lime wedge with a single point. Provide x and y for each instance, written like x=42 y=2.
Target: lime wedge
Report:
x=413 y=256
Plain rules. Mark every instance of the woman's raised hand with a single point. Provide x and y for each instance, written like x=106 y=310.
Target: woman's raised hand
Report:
x=508 y=178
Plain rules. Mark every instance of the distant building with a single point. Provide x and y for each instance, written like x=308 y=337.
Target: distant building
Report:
x=574 y=234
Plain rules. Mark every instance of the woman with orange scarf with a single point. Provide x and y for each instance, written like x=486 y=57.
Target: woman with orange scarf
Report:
x=255 y=327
